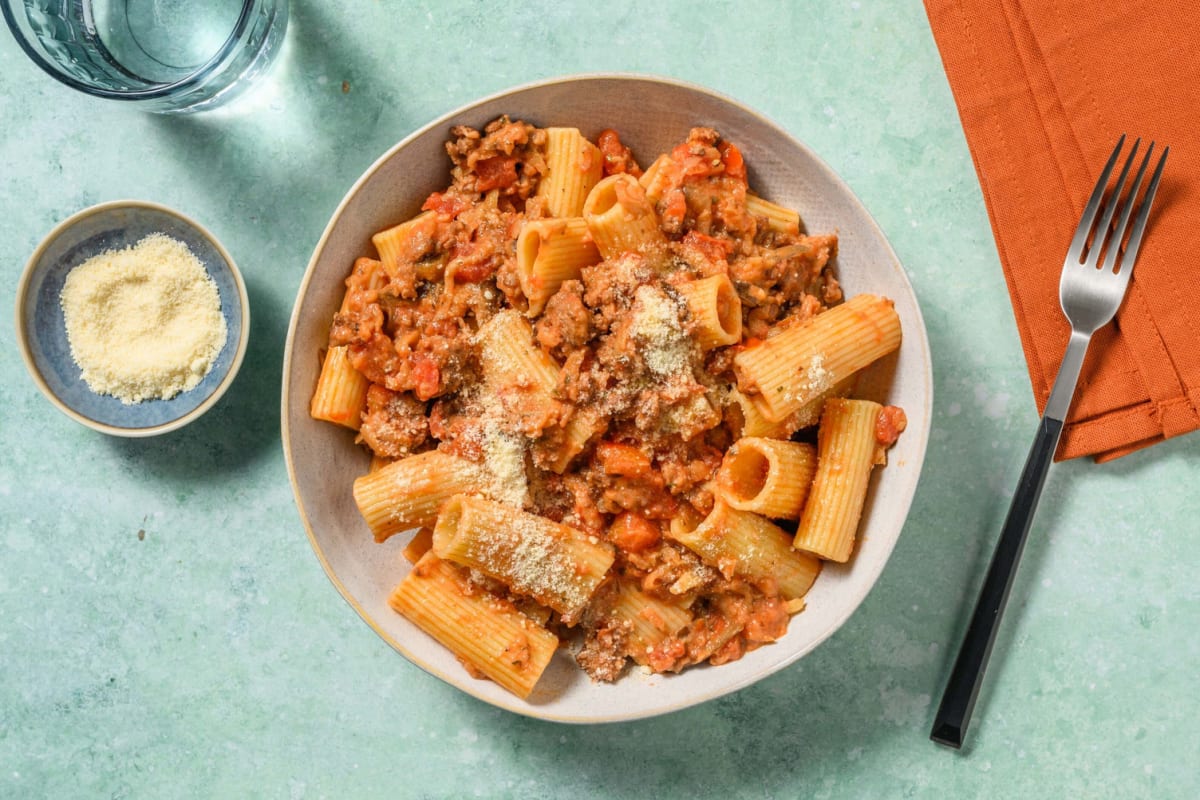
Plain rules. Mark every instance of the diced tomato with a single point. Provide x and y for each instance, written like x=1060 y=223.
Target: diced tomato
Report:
x=622 y=459
x=617 y=157
x=426 y=376
x=889 y=424
x=445 y=204
x=633 y=533
x=735 y=166
x=674 y=208
x=749 y=343
x=496 y=172
x=474 y=273
x=711 y=247
x=696 y=165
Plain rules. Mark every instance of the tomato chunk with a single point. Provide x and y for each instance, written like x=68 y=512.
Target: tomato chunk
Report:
x=426 y=376
x=445 y=204
x=617 y=157
x=889 y=424
x=735 y=166
x=633 y=533
x=622 y=459
x=496 y=172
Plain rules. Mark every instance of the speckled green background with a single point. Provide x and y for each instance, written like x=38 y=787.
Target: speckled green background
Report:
x=212 y=658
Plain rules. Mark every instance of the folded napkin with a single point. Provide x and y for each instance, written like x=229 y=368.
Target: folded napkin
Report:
x=1044 y=89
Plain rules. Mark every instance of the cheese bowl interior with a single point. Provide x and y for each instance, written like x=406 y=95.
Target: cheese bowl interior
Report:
x=651 y=115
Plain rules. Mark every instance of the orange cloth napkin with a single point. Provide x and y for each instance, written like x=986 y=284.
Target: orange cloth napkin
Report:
x=1044 y=89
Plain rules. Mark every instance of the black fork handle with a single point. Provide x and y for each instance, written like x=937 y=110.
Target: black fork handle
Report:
x=958 y=700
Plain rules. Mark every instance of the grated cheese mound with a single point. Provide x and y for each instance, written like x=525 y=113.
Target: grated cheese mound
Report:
x=144 y=322
x=656 y=327
x=504 y=459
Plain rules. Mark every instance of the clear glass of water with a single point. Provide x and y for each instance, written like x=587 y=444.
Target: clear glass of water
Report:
x=158 y=55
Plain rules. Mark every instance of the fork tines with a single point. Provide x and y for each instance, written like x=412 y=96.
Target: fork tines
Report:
x=1090 y=238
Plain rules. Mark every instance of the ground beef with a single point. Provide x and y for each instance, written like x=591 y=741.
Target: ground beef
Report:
x=603 y=654
x=394 y=424
x=565 y=324
x=507 y=156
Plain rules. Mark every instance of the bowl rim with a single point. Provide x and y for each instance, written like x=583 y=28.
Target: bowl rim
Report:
x=20 y=318
x=513 y=703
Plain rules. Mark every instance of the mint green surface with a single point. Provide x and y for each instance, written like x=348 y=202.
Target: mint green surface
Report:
x=166 y=631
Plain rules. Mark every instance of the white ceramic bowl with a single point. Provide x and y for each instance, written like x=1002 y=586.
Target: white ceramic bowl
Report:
x=651 y=116
x=42 y=330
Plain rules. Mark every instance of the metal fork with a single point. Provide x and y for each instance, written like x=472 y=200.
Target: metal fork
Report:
x=1090 y=292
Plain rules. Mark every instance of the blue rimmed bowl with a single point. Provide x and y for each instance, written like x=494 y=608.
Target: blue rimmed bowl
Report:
x=42 y=331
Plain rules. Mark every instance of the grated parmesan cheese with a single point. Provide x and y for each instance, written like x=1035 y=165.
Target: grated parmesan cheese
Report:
x=666 y=347
x=810 y=382
x=537 y=560
x=144 y=322
x=816 y=378
x=503 y=450
x=504 y=460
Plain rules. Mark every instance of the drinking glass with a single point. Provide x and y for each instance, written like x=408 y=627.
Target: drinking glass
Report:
x=158 y=55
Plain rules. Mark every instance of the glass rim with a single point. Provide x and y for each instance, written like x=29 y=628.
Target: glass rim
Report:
x=166 y=90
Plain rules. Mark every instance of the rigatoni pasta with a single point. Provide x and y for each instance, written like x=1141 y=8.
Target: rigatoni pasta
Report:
x=341 y=393
x=549 y=253
x=482 y=629
x=553 y=564
x=406 y=242
x=714 y=310
x=767 y=476
x=574 y=167
x=651 y=620
x=621 y=218
x=743 y=544
x=846 y=451
x=779 y=218
x=786 y=371
x=582 y=384
x=409 y=493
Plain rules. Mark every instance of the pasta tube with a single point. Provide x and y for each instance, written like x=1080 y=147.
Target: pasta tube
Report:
x=585 y=425
x=715 y=311
x=654 y=180
x=509 y=357
x=845 y=454
x=518 y=373
x=549 y=252
x=767 y=476
x=621 y=218
x=779 y=218
x=482 y=630
x=754 y=423
x=341 y=393
x=408 y=493
x=743 y=544
x=406 y=242
x=554 y=564
x=800 y=363
x=574 y=166
x=651 y=620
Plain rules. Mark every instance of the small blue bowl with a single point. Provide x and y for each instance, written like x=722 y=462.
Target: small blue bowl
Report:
x=42 y=331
